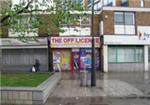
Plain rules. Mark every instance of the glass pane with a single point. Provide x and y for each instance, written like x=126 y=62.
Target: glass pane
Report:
x=129 y=18
x=110 y=2
x=129 y=29
x=139 y=55
x=112 y=55
x=120 y=55
x=124 y=3
x=125 y=55
x=119 y=18
x=129 y=55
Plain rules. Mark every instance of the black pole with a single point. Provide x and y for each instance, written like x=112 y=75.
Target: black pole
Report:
x=93 y=71
x=50 y=67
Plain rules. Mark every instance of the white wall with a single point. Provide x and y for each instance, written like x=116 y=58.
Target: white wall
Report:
x=76 y=31
x=146 y=58
x=105 y=58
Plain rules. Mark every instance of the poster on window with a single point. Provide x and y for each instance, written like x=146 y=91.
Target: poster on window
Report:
x=88 y=61
x=56 y=60
x=82 y=59
x=85 y=59
x=65 y=60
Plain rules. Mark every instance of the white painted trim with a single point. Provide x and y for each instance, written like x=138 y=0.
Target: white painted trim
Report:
x=125 y=40
x=101 y=27
x=126 y=9
x=105 y=56
x=146 y=58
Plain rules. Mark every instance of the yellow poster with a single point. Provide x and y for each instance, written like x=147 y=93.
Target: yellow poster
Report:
x=65 y=60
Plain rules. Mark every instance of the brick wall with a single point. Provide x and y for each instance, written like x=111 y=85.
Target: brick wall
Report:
x=142 y=18
x=134 y=3
x=147 y=3
x=108 y=19
x=96 y=25
x=118 y=2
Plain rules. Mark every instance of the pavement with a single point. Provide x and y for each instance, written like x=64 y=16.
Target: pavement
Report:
x=127 y=88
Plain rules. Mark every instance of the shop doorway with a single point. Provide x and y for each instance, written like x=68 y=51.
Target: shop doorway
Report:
x=75 y=59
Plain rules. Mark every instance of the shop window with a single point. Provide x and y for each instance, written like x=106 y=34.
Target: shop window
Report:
x=124 y=3
x=124 y=23
x=112 y=54
x=125 y=55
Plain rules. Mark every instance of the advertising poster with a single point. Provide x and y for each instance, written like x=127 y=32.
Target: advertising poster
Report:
x=82 y=59
x=56 y=60
x=88 y=61
x=97 y=59
x=85 y=59
x=65 y=60
x=76 y=60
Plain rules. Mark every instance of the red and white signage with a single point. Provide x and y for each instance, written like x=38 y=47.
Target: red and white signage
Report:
x=73 y=42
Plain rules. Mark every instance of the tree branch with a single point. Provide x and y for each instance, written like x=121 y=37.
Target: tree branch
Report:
x=17 y=12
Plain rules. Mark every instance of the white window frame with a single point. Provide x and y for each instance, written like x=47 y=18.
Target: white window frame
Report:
x=124 y=28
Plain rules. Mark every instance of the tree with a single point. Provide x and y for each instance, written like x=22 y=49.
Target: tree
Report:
x=58 y=12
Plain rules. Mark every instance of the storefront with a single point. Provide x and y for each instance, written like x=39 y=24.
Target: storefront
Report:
x=126 y=53
x=74 y=53
x=18 y=56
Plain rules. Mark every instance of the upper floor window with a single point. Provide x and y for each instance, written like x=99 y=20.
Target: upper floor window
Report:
x=124 y=18
x=124 y=3
x=80 y=27
x=24 y=26
x=124 y=23
x=108 y=2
